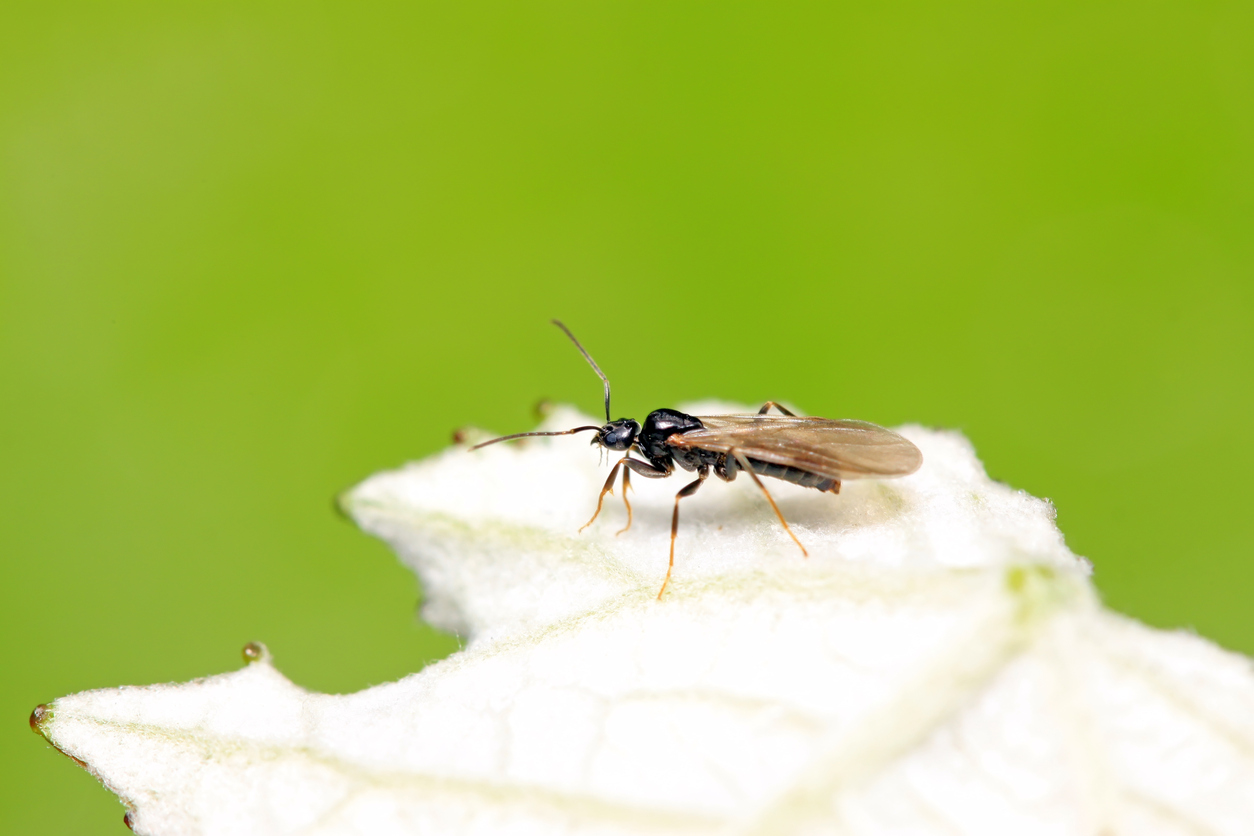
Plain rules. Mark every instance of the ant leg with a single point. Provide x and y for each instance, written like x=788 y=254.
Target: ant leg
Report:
x=646 y=469
x=608 y=488
x=766 y=407
x=642 y=468
x=745 y=466
x=686 y=490
x=626 y=501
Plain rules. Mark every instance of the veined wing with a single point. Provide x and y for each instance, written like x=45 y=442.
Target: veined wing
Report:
x=841 y=449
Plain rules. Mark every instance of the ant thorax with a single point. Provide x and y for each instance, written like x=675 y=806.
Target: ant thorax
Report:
x=660 y=425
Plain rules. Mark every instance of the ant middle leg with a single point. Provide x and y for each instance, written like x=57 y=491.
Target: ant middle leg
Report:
x=687 y=490
x=766 y=407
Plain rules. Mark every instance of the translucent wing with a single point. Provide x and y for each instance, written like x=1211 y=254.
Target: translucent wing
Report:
x=836 y=449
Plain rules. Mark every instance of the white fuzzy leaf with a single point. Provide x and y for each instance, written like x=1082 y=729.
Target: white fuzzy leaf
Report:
x=940 y=664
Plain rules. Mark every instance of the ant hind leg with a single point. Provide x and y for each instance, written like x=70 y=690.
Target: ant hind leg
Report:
x=745 y=466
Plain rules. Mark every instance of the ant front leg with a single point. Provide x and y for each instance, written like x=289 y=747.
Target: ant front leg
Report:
x=642 y=468
x=626 y=501
x=766 y=407
x=608 y=488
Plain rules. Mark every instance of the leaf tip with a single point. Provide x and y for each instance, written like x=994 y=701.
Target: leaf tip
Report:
x=254 y=652
x=342 y=506
x=41 y=720
x=38 y=718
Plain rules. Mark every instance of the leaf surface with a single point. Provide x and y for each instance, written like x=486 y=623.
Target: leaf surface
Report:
x=939 y=664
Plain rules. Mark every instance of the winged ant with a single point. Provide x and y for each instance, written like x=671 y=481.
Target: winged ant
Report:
x=816 y=453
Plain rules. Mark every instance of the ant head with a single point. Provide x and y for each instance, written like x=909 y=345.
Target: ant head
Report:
x=618 y=435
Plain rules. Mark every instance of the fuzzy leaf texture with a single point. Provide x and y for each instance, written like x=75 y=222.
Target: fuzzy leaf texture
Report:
x=940 y=664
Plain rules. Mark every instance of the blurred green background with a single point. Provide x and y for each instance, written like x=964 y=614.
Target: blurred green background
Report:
x=250 y=254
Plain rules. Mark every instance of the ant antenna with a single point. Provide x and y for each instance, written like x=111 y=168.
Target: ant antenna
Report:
x=592 y=363
x=525 y=435
x=595 y=368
